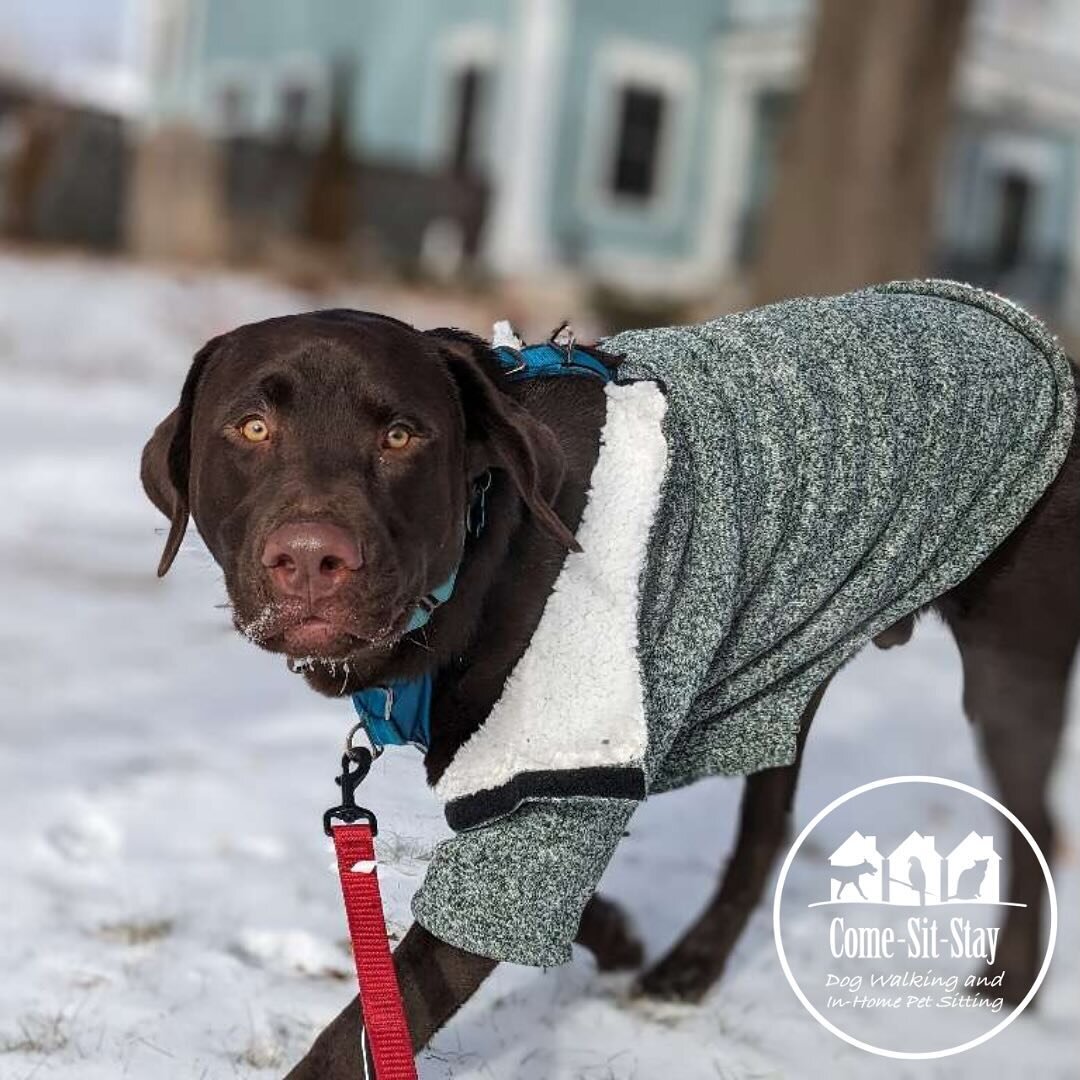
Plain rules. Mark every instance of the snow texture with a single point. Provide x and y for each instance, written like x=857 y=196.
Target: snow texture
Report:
x=167 y=911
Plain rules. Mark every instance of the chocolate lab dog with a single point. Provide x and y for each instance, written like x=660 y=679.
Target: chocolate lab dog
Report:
x=327 y=460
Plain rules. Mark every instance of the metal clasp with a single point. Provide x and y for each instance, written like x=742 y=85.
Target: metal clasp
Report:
x=355 y=765
x=520 y=366
x=564 y=338
x=476 y=516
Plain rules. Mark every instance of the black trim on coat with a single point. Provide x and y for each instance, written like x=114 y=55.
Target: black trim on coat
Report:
x=595 y=782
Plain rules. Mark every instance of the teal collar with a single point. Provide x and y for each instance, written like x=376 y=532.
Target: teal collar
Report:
x=475 y=520
x=438 y=596
x=398 y=714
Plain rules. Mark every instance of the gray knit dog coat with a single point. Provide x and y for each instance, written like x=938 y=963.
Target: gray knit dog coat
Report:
x=773 y=489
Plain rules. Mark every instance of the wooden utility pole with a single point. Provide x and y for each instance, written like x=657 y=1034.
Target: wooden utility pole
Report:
x=858 y=164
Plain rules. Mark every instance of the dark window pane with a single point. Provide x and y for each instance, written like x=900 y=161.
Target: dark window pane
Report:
x=1016 y=199
x=637 y=147
x=464 y=147
x=234 y=106
x=771 y=112
x=295 y=108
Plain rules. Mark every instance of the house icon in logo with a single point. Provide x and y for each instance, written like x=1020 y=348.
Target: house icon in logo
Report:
x=915 y=871
x=914 y=874
x=973 y=873
x=855 y=871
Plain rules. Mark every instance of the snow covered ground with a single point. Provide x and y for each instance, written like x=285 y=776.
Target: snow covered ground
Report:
x=166 y=907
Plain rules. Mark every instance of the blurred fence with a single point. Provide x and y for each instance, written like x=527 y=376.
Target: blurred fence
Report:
x=63 y=173
x=67 y=175
x=392 y=213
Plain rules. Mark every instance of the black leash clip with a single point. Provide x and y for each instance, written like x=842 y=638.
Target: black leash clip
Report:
x=355 y=765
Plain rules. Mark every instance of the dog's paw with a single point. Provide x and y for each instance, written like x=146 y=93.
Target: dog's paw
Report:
x=678 y=978
x=607 y=933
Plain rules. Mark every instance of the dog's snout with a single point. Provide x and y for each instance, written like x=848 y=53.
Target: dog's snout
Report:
x=310 y=559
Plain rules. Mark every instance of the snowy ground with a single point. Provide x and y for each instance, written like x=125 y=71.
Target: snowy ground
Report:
x=167 y=909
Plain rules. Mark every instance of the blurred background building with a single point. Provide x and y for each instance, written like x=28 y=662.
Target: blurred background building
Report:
x=617 y=143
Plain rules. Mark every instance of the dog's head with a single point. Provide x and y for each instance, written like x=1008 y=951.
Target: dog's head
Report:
x=328 y=461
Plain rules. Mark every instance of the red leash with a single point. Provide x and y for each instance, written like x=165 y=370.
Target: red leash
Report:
x=385 y=1042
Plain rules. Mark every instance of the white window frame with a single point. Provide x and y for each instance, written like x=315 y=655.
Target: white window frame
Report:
x=989 y=81
x=749 y=64
x=625 y=63
x=223 y=75
x=308 y=71
x=474 y=45
x=1026 y=155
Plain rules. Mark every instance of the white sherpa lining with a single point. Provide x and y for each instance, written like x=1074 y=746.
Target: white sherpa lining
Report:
x=575 y=698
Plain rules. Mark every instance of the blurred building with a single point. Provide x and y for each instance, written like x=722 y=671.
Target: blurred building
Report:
x=91 y=54
x=73 y=76
x=620 y=141
x=632 y=141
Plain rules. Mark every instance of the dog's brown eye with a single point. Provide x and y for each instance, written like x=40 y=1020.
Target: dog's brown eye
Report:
x=255 y=429
x=397 y=437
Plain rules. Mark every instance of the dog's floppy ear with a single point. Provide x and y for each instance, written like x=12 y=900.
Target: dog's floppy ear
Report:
x=514 y=440
x=166 y=460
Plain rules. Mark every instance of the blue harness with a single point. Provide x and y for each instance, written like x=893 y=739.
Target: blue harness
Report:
x=399 y=713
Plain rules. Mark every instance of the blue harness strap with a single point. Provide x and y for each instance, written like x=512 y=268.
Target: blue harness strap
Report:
x=399 y=714
x=549 y=360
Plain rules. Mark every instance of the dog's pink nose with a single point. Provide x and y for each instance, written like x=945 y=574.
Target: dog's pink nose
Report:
x=310 y=559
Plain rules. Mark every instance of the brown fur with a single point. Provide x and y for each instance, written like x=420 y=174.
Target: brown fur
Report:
x=329 y=380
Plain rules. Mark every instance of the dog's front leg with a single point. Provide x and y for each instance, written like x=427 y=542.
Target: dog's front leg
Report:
x=436 y=979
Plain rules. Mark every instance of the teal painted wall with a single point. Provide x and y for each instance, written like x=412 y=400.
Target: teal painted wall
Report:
x=392 y=46
x=689 y=29
x=398 y=89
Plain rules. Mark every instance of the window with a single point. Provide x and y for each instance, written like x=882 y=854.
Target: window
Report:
x=295 y=110
x=1016 y=198
x=468 y=107
x=234 y=108
x=637 y=146
x=641 y=115
x=772 y=109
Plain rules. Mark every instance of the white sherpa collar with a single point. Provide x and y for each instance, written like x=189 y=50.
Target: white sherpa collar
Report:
x=571 y=718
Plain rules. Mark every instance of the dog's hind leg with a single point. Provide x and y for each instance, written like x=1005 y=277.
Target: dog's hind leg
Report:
x=698 y=959
x=1017 y=649
x=1017 y=623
